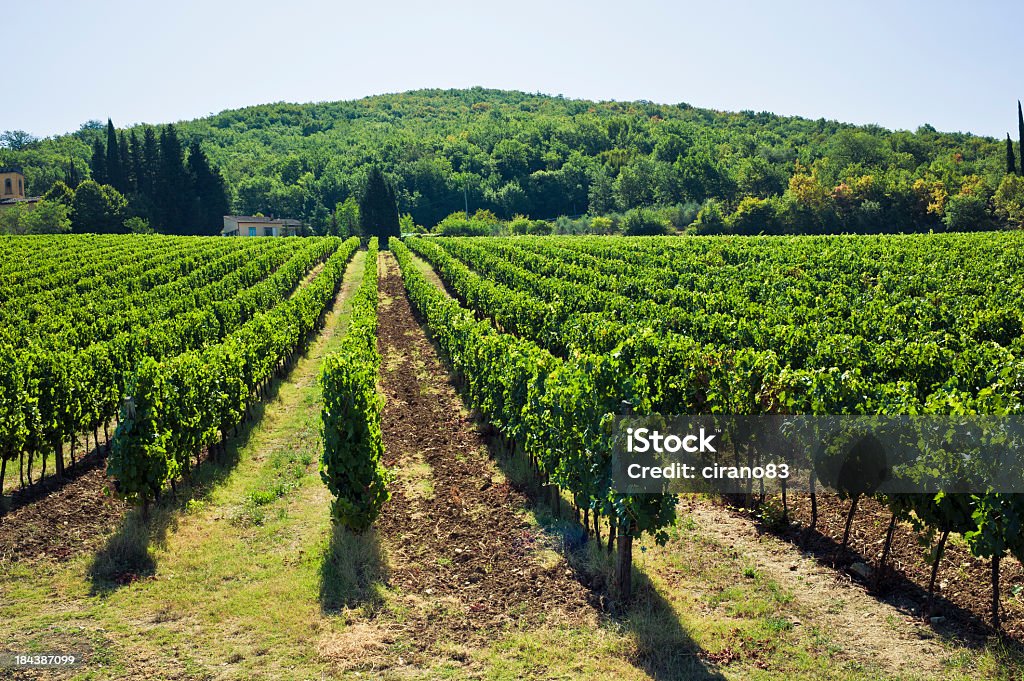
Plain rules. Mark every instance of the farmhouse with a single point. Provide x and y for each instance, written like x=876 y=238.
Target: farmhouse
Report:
x=257 y=225
x=12 y=187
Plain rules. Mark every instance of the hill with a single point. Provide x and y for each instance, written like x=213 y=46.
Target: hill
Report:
x=544 y=157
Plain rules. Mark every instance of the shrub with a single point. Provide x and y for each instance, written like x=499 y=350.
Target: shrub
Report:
x=643 y=222
x=710 y=218
x=966 y=213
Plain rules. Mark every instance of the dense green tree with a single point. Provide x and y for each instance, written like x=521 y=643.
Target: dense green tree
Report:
x=703 y=177
x=91 y=125
x=756 y=176
x=1011 y=161
x=710 y=218
x=60 y=193
x=210 y=195
x=643 y=222
x=97 y=208
x=966 y=212
x=459 y=224
x=601 y=196
x=17 y=140
x=72 y=177
x=137 y=225
x=149 y=162
x=755 y=216
x=378 y=208
x=115 y=171
x=136 y=162
x=345 y=219
x=127 y=174
x=1009 y=201
x=45 y=217
x=512 y=158
x=98 y=164
x=634 y=186
x=175 y=202
x=253 y=194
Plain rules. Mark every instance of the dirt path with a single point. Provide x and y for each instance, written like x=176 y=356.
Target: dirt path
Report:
x=963 y=585
x=455 y=530
x=861 y=626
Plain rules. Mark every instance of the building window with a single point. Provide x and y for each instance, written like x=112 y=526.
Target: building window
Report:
x=21 y=189
x=252 y=231
x=7 y=186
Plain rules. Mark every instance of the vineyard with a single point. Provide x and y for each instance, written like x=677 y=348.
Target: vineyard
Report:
x=188 y=329
x=397 y=460
x=897 y=325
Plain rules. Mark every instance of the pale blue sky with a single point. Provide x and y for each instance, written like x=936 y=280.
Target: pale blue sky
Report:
x=955 y=65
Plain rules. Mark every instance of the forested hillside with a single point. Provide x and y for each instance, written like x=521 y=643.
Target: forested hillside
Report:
x=543 y=157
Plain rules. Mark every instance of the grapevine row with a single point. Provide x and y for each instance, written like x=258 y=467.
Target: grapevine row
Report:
x=674 y=373
x=176 y=407
x=351 y=465
x=56 y=393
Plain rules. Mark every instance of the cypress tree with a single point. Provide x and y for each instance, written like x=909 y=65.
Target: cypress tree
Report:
x=1011 y=162
x=135 y=152
x=98 y=164
x=173 y=195
x=210 y=193
x=1020 y=131
x=127 y=176
x=378 y=208
x=72 y=178
x=115 y=174
x=150 y=162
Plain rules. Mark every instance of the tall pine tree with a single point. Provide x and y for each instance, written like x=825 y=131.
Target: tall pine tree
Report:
x=1011 y=162
x=1020 y=131
x=378 y=209
x=98 y=164
x=115 y=174
x=174 y=198
x=72 y=178
x=127 y=177
x=150 y=164
x=209 y=191
x=135 y=154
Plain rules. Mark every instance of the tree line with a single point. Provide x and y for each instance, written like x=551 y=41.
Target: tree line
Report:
x=545 y=158
x=133 y=183
x=173 y=191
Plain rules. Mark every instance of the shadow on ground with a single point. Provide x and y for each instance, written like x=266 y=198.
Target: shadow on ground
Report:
x=353 y=571
x=957 y=624
x=38 y=490
x=127 y=554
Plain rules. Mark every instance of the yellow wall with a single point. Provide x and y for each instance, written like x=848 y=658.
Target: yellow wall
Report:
x=17 y=189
